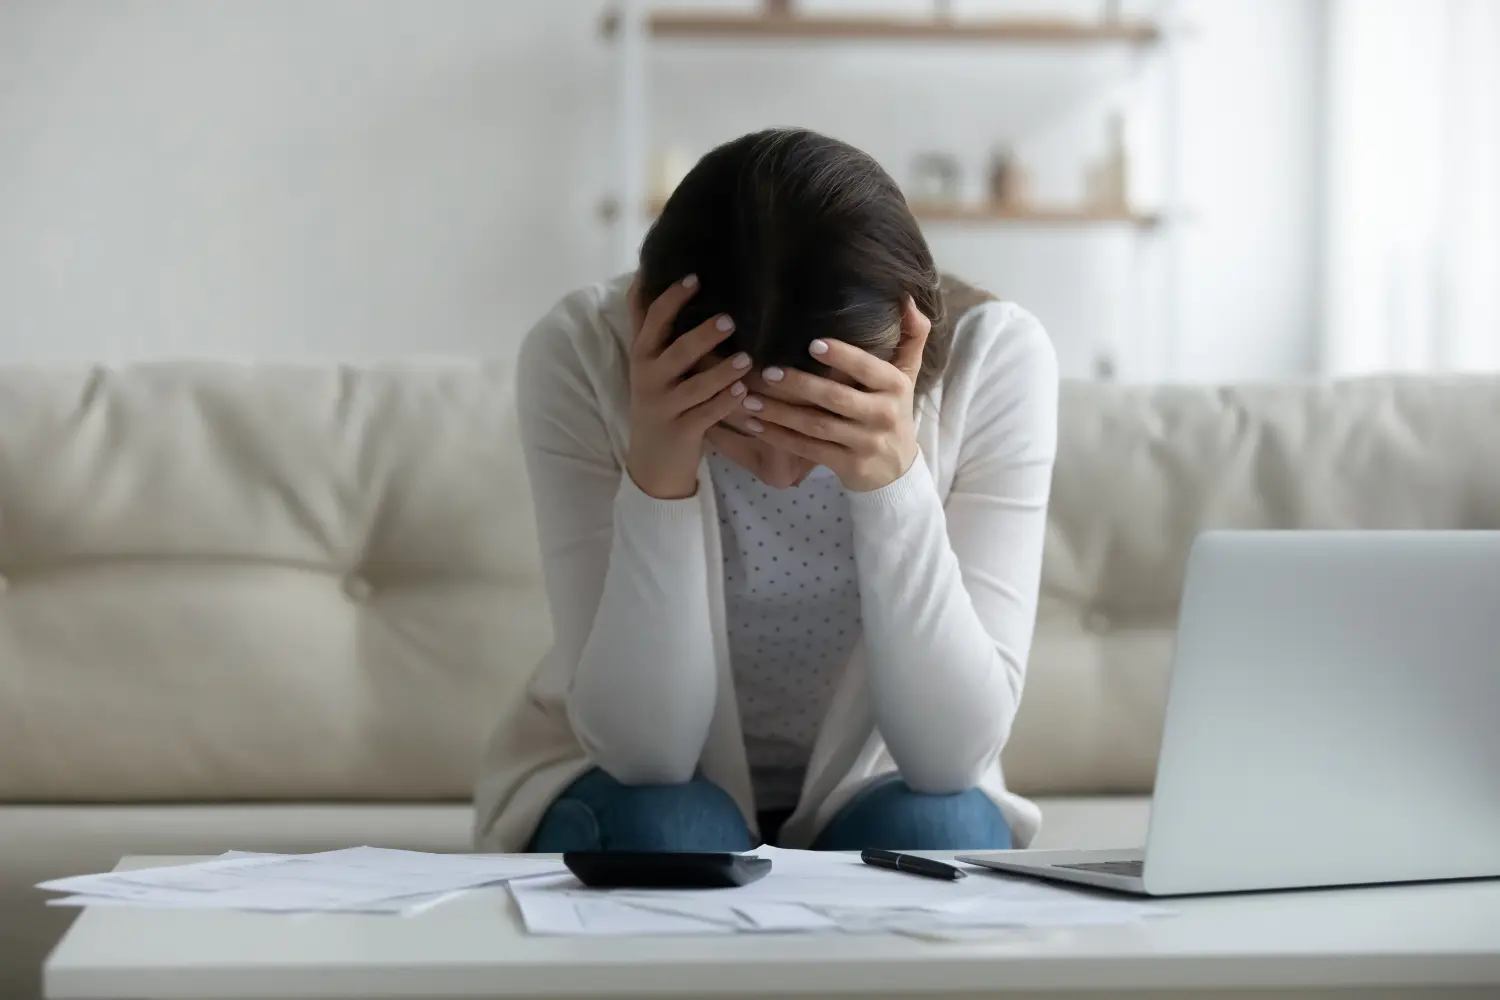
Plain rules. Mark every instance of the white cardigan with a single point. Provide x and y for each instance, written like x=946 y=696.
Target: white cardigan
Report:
x=639 y=672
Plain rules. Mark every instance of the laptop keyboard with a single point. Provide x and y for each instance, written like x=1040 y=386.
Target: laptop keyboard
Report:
x=1129 y=869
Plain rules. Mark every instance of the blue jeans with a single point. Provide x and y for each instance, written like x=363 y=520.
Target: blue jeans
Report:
x=597 y=813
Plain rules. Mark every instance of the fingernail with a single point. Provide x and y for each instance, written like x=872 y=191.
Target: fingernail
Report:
x=754 y=403
x=773 y=374
x=818 y=347
x=740 y=361
x=691 y=281
x=755 y=425
x=738 y=389
x=724 y=323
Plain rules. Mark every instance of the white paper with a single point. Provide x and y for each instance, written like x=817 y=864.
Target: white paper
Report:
x=407 y=907
x=563 y=906
x=825 y=879
x=948 y=927
x=784 y=918
x=485 y=868
x=817 y=892
x=361 y=879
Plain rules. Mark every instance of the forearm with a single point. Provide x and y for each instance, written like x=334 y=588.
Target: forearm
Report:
x=644 y=688
x=944 y=686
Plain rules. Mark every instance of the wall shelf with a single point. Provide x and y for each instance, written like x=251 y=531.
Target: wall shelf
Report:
x=1033 y=215
x=1017 y=31
x=636 y=31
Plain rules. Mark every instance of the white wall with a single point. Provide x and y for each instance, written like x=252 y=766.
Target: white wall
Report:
x=366 y=178
x=1253 y=150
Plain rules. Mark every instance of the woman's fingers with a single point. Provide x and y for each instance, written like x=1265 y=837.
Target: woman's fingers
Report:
x=656 y=323
x=690 y=348
x=794 y=386
x=704 y=386
x=864 y=367
x=718 y=408
x=807 y=421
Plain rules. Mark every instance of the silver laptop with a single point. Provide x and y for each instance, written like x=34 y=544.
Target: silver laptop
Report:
x=1333 y=719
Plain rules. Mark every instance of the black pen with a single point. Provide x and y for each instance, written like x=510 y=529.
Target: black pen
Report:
x=912 y=865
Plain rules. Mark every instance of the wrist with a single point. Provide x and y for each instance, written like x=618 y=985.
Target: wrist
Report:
x=896 y=494
x=662 y=485
x=895 y=473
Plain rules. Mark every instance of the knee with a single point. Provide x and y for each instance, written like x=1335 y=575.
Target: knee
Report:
x=892 y=817
x=694 y=816
x=608 y=816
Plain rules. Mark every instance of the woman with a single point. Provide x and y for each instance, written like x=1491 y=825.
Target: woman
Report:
x=791 y=513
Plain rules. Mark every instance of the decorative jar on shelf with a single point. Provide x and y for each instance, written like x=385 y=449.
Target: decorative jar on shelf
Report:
x=936 y=180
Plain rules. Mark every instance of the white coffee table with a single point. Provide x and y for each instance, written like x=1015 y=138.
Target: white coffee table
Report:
x=1414 y=941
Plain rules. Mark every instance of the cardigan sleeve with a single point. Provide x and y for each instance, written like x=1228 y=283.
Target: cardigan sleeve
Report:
x=949 y=589
x=625 y=573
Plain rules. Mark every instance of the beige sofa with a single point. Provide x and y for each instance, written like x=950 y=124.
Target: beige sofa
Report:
x=279 y=609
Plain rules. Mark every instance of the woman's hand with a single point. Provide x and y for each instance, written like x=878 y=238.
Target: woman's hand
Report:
x=866 y=432
x=671 y=404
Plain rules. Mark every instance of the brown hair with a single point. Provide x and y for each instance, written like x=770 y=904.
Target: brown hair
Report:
x=799 y=236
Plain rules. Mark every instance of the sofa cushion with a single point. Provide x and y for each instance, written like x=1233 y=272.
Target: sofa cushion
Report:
x=232 y=582
x=229 y=582
x=1141 y=470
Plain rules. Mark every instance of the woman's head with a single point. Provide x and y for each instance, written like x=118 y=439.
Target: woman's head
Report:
x=797 y=237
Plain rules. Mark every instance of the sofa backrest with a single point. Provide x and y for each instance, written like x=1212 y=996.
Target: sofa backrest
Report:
x=259 y=583
x=252 y=582
x=1142 y=470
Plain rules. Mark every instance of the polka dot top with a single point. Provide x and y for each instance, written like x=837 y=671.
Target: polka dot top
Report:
x=791 y=598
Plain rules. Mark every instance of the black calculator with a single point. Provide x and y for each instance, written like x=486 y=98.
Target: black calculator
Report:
x=665 y=869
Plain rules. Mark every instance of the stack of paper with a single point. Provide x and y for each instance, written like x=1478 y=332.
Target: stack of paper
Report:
x=809 y=891
x=361 y=879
